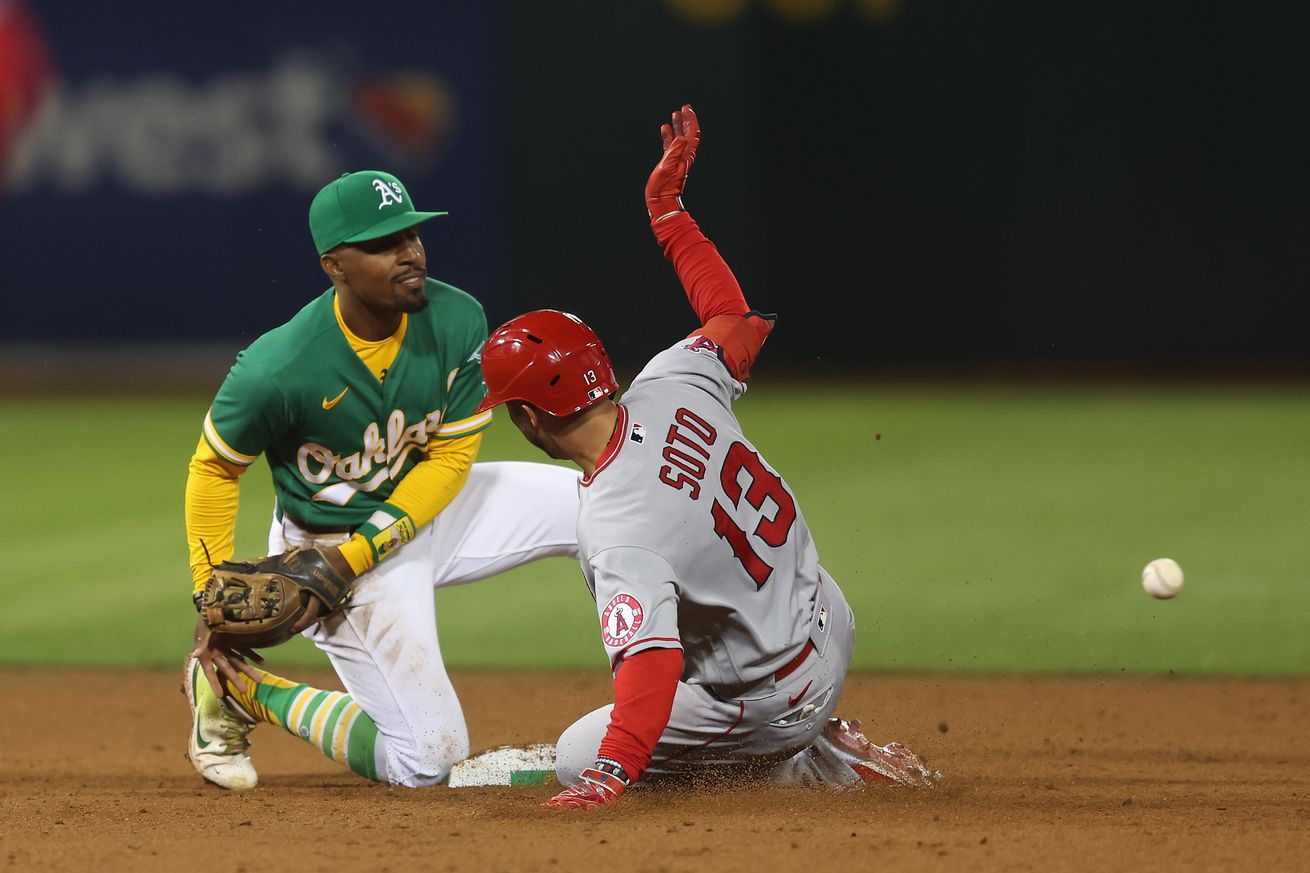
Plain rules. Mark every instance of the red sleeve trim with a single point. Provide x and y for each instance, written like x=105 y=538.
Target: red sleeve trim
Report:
x=643 y=700
x=623 y=652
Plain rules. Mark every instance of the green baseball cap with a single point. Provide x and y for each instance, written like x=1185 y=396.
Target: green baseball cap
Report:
x=361 y=206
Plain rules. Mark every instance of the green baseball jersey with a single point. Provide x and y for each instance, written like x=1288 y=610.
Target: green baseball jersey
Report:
x=336 y=439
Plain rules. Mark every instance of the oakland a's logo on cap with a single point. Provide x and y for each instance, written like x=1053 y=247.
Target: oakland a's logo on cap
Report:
x=391 y=192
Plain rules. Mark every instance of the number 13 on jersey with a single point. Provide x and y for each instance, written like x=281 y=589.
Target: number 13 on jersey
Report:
x=686 y=450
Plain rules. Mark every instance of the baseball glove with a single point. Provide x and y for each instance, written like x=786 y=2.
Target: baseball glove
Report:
x=254 y=604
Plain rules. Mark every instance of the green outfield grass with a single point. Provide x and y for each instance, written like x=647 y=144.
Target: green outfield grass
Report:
x=987 y=529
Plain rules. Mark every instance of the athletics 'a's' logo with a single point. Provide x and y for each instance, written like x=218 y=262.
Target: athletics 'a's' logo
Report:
x=621 y=620
x=391 y=192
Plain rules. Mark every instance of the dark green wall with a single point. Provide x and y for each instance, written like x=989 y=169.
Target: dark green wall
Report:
x=961 y=182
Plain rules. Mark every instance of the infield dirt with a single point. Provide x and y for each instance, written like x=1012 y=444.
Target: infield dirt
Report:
x=1042 y=773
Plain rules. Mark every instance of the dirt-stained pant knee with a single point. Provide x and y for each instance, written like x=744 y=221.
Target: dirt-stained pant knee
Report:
x=420 y=764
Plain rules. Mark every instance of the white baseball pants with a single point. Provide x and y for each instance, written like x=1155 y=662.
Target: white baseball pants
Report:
x=775 y=727
x=384 y=645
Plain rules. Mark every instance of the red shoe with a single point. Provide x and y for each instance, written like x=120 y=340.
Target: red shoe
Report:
x=892 y=764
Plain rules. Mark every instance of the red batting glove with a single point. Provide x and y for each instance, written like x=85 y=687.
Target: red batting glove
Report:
x=600 y=785
x=664 y=187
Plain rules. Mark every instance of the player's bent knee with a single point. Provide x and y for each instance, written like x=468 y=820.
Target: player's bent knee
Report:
x=424 y=764
x=577 y=746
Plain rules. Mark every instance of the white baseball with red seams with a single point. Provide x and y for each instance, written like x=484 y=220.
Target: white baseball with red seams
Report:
x=1162 y=578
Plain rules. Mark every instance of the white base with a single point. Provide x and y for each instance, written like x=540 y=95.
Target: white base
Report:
x=506 y=765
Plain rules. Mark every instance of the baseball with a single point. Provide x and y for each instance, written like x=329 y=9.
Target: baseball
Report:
x=1162 y=578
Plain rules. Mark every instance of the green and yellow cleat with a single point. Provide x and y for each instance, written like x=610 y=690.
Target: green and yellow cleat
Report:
x=219 y=735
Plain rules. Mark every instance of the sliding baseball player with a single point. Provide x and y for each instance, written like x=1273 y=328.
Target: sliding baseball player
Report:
x=728 y=639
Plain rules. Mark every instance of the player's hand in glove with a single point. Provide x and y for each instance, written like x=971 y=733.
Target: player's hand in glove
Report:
x=664 y=187
x=218 y=659
x=601 y=785
x=255 y=604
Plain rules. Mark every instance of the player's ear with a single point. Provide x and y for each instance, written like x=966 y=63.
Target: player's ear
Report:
x=331 y=265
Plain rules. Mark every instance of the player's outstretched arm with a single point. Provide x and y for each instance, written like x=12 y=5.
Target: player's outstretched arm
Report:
x=711 y=288
x=212 y=494
x=644 y=688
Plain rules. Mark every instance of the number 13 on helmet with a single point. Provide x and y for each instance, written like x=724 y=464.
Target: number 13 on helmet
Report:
x=547 y=358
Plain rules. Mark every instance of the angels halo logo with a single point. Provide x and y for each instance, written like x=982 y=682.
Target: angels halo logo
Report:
x=621 y=619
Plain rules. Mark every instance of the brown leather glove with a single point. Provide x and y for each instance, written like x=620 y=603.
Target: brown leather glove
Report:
x=257 y=604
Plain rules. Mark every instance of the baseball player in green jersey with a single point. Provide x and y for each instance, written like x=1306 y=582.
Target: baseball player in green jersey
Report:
x=364 y=407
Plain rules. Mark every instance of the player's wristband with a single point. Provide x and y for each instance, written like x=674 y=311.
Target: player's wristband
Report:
x=607 y=777
x=612 y=768
x=386 y=530
x=665 y=207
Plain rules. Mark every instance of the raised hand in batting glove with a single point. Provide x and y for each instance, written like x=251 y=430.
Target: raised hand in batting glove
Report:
x=664 y=187
x=601 y=785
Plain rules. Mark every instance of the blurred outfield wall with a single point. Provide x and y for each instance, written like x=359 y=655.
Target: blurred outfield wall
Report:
x=157 y=191
x=905 y=181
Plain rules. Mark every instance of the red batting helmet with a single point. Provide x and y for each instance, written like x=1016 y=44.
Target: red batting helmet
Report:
x=547 y=358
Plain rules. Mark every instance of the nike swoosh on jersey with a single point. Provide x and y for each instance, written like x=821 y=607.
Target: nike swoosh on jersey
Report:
x=328 y=404
x=792 y=701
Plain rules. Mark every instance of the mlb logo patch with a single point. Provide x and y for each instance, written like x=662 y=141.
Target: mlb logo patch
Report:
x=638 y=434
x=594 y=393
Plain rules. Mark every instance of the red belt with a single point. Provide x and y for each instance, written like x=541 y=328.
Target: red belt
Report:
x=791 y=666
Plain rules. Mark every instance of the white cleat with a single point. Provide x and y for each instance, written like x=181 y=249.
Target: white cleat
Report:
x=892 y=764
x=218 y=742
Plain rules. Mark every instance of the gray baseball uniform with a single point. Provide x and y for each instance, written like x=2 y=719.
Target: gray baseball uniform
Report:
x=689 y=540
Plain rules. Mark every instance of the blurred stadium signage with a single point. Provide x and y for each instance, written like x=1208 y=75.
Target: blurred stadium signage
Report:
x=183 y=130
x=159 y=134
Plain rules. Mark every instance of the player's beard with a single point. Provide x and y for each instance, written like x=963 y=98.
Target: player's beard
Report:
x=534 y=436
x=536 y=439
x=411 y=305
x=410 y=298
x=555 y=453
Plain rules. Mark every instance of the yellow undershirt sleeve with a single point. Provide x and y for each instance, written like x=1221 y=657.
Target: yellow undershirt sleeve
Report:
x=424 y=492
x=211 y=511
